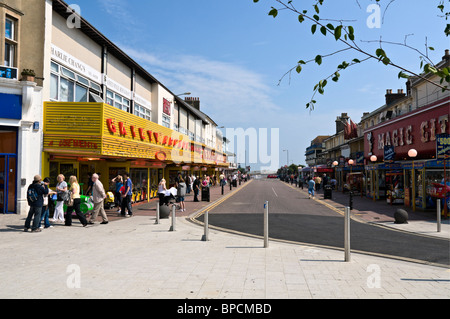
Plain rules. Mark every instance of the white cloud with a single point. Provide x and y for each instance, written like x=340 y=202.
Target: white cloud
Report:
x=228 y=92
x=118 y=10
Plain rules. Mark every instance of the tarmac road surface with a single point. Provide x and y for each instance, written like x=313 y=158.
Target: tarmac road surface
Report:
x=294 y=217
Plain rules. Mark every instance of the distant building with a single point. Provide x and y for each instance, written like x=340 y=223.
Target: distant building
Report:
x=313 y=152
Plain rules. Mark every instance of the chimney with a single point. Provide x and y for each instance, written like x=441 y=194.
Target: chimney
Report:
x=341 y=122
x=193 y=101
x=392 y=97
x=446 y=57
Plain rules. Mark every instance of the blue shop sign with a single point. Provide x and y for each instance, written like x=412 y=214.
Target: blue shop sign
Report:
x=443 y=146
x=389 y=153
x=8 y=73
x=10 y=106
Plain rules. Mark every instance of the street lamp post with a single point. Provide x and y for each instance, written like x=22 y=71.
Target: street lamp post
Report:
x=287 y=156
x=373 y=159
x=335 y=164
x=412 y=153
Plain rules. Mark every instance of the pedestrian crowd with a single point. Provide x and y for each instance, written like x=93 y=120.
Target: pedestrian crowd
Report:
x=42 y=200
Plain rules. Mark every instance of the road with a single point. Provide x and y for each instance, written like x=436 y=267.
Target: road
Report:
x=294 y=217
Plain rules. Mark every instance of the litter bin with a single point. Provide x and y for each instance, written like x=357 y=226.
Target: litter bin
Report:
x=205 y=194
x=327 y=192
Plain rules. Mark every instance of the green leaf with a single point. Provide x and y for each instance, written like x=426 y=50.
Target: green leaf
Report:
x=316 y=7
x=316 y=17
x=313 y=28
x=338 y=32
x=273 y=12
x=318 y=59
x=301 y=18
x=380 y=53
x=299 y=69
x=351 y=30
x=403 y=75
x=323 y=30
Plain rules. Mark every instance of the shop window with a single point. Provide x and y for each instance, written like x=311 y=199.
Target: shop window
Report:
x=66 y=90
x=10 y=42
x=67 y=86
x=81 y=93
x=166 y=121
x=117 y=101
x=54 y=84
x=54 y=169
x=142 y=111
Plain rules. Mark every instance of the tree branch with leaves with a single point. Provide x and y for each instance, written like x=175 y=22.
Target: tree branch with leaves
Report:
x=344 y=33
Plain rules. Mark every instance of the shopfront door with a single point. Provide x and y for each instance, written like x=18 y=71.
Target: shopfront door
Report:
x=8 y=176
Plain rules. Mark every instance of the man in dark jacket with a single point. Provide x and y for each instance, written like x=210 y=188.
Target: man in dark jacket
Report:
x=196 y=188
x=36 y=201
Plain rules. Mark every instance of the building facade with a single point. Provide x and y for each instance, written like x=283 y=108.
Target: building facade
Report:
x=20 y=104
x=90 y=108
x=399 y=152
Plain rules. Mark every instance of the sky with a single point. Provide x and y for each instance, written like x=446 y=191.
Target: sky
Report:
x=232 y=54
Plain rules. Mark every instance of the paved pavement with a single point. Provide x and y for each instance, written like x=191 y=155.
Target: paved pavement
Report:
x=135 y=258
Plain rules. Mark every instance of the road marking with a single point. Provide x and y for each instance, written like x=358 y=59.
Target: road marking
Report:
x=275 y=192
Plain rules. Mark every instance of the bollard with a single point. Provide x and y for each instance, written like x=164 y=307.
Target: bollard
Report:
x=172 y=228
x=205 y=237
x=157 y=214
x=438 y=204
x=347 y=234
x=266 y=225
x=351 y=200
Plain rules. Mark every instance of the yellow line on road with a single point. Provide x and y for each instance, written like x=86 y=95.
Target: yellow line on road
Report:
x=216 y=203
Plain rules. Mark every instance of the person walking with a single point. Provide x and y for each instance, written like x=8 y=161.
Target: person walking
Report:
x=126 y=197
x=45 y=208
x=61 y=192
x=181 y=193
x=318 y=181
x=75 y=189
x=35 y=201
x=188 y=184
x=98 y=196
x=118 y=195
x=311 y=188
x=196 y=188
x=161 y=191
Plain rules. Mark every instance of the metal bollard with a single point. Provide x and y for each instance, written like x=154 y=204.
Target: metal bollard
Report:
x=172 y=228
x=266 y=225
x=157 y=222
x=438 y=202
x=351 y=200
x=205 y=237
x=347 y=234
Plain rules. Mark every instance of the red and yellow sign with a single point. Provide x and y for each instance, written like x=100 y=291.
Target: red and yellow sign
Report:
x=97 y=129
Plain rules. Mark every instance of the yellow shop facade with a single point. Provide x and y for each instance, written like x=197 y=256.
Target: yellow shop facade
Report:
x=83 y=138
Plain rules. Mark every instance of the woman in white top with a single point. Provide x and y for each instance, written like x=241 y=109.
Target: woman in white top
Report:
x=61 y=187
x=161 y=189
